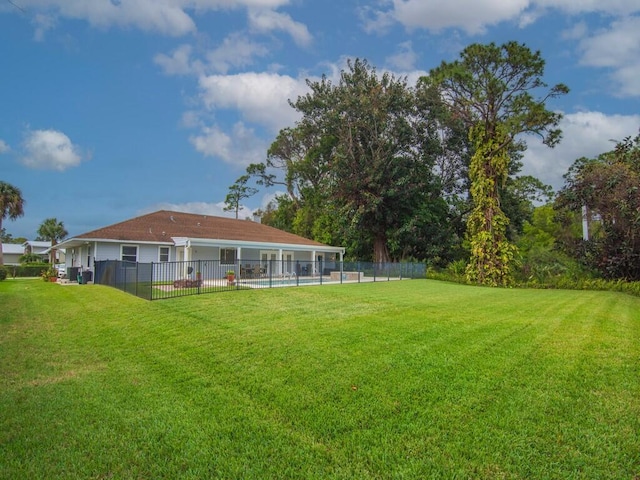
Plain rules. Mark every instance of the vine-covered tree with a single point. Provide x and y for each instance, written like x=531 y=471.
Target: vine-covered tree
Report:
x=11 y=206
x=609 y=187
x=237 y=193
x=53 y=231
x=491 y=89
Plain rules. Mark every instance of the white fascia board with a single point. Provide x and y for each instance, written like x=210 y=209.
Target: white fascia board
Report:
x=78 y=242
x=202 y=242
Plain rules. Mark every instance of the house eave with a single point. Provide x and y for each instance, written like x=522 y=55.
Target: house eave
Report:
x=204 y=242
x=213 y=242
x=79 y=242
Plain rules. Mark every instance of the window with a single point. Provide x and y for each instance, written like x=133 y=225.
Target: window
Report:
x=129 y=253
x=228 y=256
x=164 y=254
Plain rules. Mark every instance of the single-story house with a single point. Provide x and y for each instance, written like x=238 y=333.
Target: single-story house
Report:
x=11 y=253
x=37 y=247
x=167 y=236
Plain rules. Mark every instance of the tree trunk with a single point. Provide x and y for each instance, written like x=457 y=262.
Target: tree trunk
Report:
x=380 y=249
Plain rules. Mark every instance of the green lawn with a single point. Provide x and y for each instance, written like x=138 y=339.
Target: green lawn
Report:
x=412 y=379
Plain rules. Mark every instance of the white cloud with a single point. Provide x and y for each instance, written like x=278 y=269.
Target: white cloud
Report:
x=50 y=150
x=236 y=51
x=4 y=147
x=576 y=32
x=43 y=23
x=239 y=147
x=475 y=16
x=168 y=17
x=610 y=7
x=616 y=48
x=436 y=15
x=178 y=62
x=269 y=20
x=375 y=21
x=261 y=98
x=405 y=59
x=585 y=134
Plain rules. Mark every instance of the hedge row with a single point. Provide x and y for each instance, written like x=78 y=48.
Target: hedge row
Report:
x=27 y=270
x=560 y=282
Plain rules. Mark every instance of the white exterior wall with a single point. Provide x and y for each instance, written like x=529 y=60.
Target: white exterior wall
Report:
x=108 y=251
x=147 y=253
x=150 y=253
x=205 y=253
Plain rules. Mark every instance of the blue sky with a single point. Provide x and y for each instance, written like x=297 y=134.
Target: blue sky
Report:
x=115 y=108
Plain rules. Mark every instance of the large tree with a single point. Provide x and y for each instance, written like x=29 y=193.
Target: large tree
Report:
x=359 y=154
x=609 y=188
x=11 y=206
x=53 y=231
x=498 y=92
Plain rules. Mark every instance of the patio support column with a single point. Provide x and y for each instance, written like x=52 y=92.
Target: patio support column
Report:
x=313 y=262
x=187 y=257
x=239 y=259
x=280 y=260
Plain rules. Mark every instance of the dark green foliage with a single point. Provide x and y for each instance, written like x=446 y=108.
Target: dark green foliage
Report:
x=375 y=172
x=11 y=207
x=8 y=238
x=3 y=273
x=27 y=270
x=53 y=231
x=30 y=258
x=609 y=186
x=368 y=165
x=518 y=198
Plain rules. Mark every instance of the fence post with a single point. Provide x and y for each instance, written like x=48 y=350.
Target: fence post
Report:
x=199 y=275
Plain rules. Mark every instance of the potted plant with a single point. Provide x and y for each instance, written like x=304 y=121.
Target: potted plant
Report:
x=231 y=276
x=49 y=275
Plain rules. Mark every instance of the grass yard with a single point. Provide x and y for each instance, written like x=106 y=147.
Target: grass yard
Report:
x=412 y=379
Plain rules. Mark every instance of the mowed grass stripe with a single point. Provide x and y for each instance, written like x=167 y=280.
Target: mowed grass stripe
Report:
x=414 y=379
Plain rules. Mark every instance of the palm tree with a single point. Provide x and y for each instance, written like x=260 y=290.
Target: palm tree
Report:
x=11 y=206
x=52 y=230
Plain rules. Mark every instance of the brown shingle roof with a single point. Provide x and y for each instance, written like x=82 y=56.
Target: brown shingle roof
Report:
x=162 y=225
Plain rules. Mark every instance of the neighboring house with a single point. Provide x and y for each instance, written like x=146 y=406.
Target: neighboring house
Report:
x=11 y=253
x=38 y=248
x=167 y=236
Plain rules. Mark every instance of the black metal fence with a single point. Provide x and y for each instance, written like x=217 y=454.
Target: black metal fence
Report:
x=154 y=281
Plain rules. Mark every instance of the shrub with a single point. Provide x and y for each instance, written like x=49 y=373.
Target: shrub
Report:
x=28 y=258
x=3 y=273
x=30 y=270
x=454 y=272
x=47 y=273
